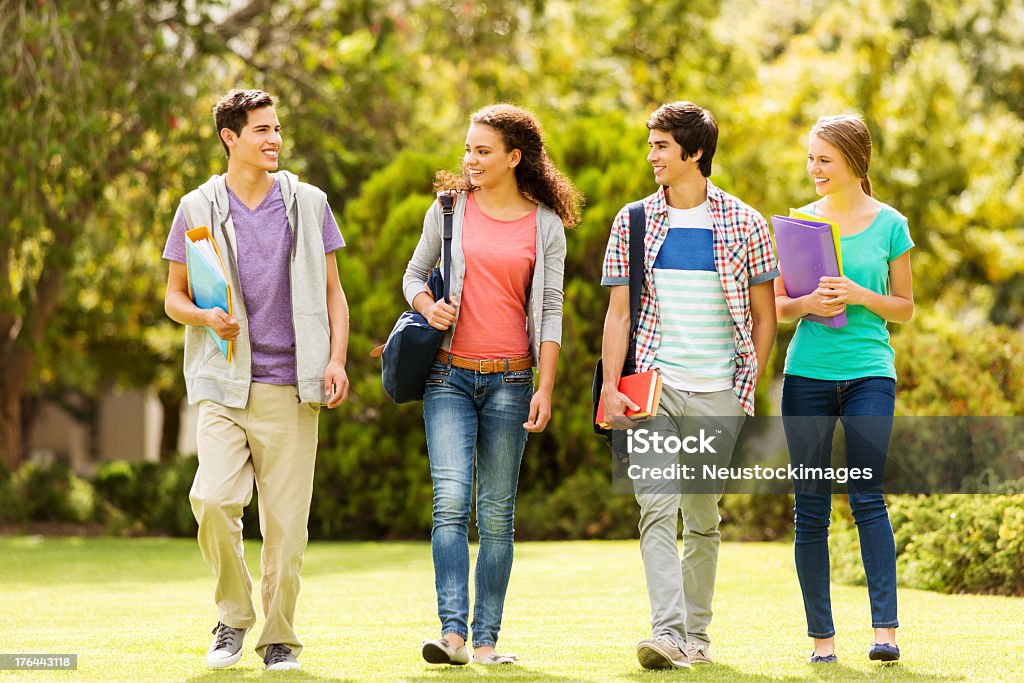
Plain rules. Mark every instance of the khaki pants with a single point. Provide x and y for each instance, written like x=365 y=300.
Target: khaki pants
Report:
x=272 y=441
x=680 y=591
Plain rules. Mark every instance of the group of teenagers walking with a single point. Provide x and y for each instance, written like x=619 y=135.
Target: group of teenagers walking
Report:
x=709 y=304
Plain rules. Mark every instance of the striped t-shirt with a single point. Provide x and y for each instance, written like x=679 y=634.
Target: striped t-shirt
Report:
x=697 y=349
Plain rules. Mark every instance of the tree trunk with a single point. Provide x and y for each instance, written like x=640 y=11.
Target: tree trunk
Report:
x=11 y=446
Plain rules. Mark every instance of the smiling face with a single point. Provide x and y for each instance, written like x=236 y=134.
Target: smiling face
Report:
x=486 y=161
x=828 y=168
x=666 y=157
x=259 y=143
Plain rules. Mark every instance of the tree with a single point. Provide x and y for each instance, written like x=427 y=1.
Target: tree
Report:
x=80 y=98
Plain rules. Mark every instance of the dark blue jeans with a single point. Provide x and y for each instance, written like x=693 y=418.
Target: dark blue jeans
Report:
x=865 y=406
x=470 y=416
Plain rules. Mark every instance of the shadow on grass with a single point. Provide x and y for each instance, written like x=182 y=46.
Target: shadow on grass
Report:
x=819 y=672
x=232 y=675
x=506 y=672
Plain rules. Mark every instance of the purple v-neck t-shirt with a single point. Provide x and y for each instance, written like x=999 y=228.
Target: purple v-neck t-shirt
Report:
x=264 y=242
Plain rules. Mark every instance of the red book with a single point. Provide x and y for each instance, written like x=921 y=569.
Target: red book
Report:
x=644 y=389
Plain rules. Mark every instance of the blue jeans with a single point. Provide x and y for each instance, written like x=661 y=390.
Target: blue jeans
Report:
x=469 y=414
x=866 y=406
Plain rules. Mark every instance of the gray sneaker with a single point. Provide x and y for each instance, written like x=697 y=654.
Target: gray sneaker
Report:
x=661 y=653
x=699 y=652
x=280 y=658
x=226 y=649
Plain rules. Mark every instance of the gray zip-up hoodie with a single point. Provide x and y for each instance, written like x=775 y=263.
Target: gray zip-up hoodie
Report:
x=208 y=375
x=544 y=308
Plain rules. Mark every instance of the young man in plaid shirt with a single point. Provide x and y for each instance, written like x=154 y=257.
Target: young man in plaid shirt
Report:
x=707 y=322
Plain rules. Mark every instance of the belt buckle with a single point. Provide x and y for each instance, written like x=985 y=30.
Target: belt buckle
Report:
x=485 y=367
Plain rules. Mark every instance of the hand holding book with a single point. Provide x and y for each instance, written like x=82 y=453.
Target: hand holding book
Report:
x=614 y=408
x=637 y=396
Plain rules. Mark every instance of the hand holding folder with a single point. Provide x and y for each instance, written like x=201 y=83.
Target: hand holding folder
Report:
x=808 y=250
x=208 y=285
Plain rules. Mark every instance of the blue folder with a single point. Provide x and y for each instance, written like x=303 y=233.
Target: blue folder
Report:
x=207 y=286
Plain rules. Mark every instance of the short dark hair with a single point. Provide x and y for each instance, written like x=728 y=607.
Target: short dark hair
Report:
x=232 y=112
x=692 y=127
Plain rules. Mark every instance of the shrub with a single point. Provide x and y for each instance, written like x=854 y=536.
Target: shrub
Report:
x=146 y=497
x=52 y=493
x=756 y=517
x=952 y=544
x=581 y=507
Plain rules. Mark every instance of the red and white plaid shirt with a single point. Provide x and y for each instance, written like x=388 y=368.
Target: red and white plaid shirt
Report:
x=743 y=258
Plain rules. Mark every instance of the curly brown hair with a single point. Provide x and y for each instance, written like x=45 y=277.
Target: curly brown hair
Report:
x=538 y=178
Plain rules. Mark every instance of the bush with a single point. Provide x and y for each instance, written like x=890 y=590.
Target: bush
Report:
x=147 y=497
x=947 y=368
x=50 y=493
x=581 y=507
x=951 y=544
x=756 y=517
x=11 y=507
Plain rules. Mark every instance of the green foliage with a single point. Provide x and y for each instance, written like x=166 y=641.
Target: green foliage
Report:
x=946 y=368
x=145 y=497
x=756 y=517
x=580 y=507
x=951 y=544
x=46 y=493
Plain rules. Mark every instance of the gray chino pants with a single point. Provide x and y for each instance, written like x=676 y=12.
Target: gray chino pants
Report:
x=681 y=591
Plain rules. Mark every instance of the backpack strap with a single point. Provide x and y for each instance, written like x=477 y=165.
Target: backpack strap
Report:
x=448 y=212
x=637 y=233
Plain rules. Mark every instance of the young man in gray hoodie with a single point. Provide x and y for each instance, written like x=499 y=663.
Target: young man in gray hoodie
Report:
x=258 y=409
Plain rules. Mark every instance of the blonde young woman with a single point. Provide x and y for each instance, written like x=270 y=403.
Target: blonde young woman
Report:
x=508 y=251
x=847 y=373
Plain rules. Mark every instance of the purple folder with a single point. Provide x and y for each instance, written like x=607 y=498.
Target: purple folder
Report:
x=806 y=253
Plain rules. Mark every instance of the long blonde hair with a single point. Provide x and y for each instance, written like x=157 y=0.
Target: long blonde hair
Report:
x=849 y=134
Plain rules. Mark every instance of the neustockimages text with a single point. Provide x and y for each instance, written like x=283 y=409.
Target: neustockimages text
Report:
x=642 y=441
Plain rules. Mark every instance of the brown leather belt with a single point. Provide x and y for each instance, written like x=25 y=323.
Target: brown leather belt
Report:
x=484 y=367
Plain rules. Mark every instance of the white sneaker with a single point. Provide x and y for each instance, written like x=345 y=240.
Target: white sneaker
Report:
x=226 y=649
x=280 y=658
x=699 y=652
x=441 y=652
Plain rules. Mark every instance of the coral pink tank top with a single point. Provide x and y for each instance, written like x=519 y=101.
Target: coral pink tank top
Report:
x=500 y=256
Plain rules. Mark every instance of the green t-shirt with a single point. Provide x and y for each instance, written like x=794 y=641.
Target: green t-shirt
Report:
x=861 y=347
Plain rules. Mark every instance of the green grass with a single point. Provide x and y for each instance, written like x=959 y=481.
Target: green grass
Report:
x=142 y=610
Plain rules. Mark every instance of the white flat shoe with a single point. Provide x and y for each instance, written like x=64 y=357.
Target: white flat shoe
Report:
x=495 y=658
x=441 y=652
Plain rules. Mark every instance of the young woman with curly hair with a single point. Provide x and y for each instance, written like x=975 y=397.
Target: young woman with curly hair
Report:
x=505 y=317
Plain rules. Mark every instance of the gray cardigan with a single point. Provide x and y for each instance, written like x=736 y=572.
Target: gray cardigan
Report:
x=544 y=308
x=208 y=376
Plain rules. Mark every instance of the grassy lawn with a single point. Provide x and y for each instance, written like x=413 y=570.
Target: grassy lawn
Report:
x=142 y=610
